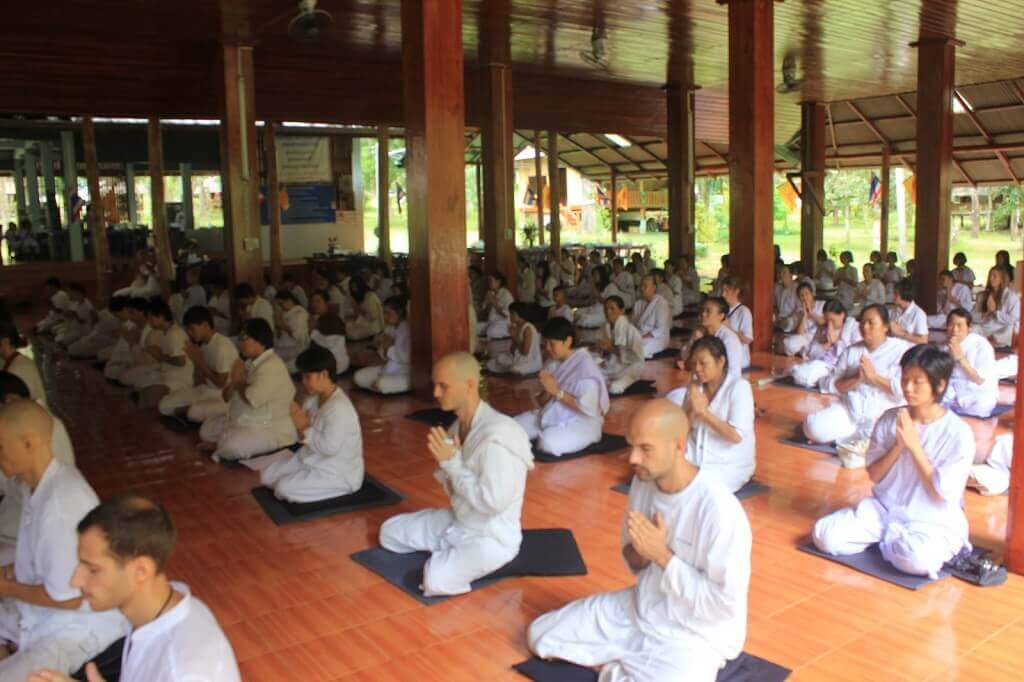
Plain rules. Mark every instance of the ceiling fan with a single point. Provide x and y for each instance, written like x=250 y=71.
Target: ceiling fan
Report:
x=790 y=82
x=597 y=55
x=310 y=22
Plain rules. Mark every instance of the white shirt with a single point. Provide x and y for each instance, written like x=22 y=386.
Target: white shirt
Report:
x=741 y=321
x=268 y=398
x=865 y=402
x=533 y=360
x=732 y=463
x=195 y=295
x=185 y=644
x=958 y=296
x=628 y=352
x=261 y=308
x=219 y=356
x=733 y=350
x=949 y=444
x=849 y=334
x=399 y=354
x=26 y=369
x=502 y=300
x=486 y=479
x=47 y=553
x=703 y=588
x=913 y=320
x=336 y=344
x=333 y=443
x=653 y=317
x=982 y=357
x=173 y=345
x=296 y=326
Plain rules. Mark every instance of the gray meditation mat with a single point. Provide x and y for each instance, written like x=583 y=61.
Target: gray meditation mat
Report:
x=743 y=668
x=366 y=391
x=870 y=561
x=433 y=416
x=639 y=387
x=668 y=353
x=749 y=489
x=999 y=409
x=1008 y=381
x=788 y=382
x=800 y=441
x=509 y=375
x=372 y=494
x=108 y=661
x=545 y=552
x=609 y=443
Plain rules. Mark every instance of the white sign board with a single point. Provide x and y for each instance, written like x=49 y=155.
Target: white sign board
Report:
x=303 y=159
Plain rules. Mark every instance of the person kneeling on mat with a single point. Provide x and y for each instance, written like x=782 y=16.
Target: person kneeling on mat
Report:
x=575 y=398
x=330 y=461
x=919 y=459
x=123 y=548
x=687 y=540
x=484 y=459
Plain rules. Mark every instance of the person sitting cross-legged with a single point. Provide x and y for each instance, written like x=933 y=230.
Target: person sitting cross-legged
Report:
x=483 y=462
x=919 y=459
x=974 y=386
x=330 y=461
x=621 y=348
x=124 y=545
x=688 y=541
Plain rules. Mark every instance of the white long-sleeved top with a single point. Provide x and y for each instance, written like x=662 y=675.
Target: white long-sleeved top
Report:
x=333 y=443
x=957 y=296
x=486 y=479
x=703 y=588
x=787 y=302
x=533 y=360
x=1005 y=317
x=913 y=320
x=628 y=352
x=871 y=292
x=26 y=369
x=186 y=643
x=732 y=463
x=820 y=349
x=982 y=357
x=741 y=321
x=296 y=327
x=653 y=317
x=268 y=398
x=399 y=353
x=865 y=402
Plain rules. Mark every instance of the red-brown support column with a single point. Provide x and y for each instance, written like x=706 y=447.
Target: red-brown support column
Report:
x=883 y=221
x=97 y=221
x=432 y=81
x=752 y=156
x=935 y=71
x=273 y=199
x=496 y=143
x=681 y=232
x=555 y=194
x=383 y=198
x=1015 y=510
x=161 y=240
x=242 y=237
x=538 y=171
x=812 y=186
x=615 y=206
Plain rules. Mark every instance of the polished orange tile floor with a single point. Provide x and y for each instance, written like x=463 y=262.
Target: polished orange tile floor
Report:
x=296 y=608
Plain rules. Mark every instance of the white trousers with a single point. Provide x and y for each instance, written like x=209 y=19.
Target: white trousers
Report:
x=294 y=481
x=808 y=374
x=914 y=547
x=513 y=364
x=138 y=376
x=993 y=476
x=70 y=332
x=497 y=329
x=602 y=630
x=591 y=316
x=653 y=346
x=794 y=344
x=90 y=346
x=374 y=379
x=937 y=321
x=563 y=438
x=831 y=424
x=51 y=320
x=974 y=403
x=1001 y=334
x=238 y=441
x=65 y=651
x=458 y=556
x=202 y=401
x=617 y=385
x=1006 y=368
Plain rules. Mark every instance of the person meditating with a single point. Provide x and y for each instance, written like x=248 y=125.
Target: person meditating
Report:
x=483 y=461
x=124 y=545
x=998 y=309
x=808 y=316
x=42 y=618
x=574 y=400
x=291 y=321
x=867 y=381
x=494 y=310
x=688 y=541
x=951 y=295
x=620 y=347
x=394 y=347
x=919 y=459
x=831 y=340
x=330 y=461
x=259 y=394
x=525 y=357
x=652 y=316
x=720 y=409
x=713 y=323
x=911 y=323
x=21 y=366
x=974 y=386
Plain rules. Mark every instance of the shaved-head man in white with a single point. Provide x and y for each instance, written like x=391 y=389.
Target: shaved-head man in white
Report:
x=687 y=540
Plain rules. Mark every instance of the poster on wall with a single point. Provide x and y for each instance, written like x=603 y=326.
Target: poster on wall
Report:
x=303 y=160
x=303 y=204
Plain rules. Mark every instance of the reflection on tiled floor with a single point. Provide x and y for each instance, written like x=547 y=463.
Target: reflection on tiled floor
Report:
x=296 y=608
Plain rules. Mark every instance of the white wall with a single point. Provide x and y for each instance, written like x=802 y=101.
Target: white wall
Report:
x=297 y=241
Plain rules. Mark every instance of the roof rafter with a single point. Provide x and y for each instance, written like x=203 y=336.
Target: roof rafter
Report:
x=985 y=134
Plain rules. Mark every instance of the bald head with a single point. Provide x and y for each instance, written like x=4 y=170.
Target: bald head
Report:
x=462 y=365
x=25 y=433
x=22 y=417
x=657 y=436
x=661 y=418
x=457 y=381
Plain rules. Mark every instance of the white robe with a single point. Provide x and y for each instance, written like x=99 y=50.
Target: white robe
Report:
x=395 y=375
x=623 y=366
x=206 y=400
x=99 y=337
x=592 y=316
x=915 y=533
x=675 y=285
x=853 y=416
x=993 y=475
x=1001 y=324
x=787 y=306
x=262 y=308
x=963 y=394
x=516 y=362
x=795 y=343
x=741 y=321
x=561 y=311
x=481 y=531
x=496 y=326
x=871 y=292
x=293 y=336
x=558 y=428
x=733 y=350
x=731 y=463
x=330 y=461
x=370 y=318
x=546 y=295
x=964 y=275
x=627 y=287
x=847 y=278
x=221 y=305
x=653 y=319
x=527 y=285
x=677 y=624
x=822 y=357
x=28 y=371
x=335 y=343
x=913 y=320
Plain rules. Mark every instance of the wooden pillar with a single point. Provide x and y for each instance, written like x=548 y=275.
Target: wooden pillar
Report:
x=240 y=176
x=883 y=220
x=496 y=143
x=130 y=198
x=681 y=232
x=35 y=212
x=97 y=222
x=935 y=72
x=555 y=193
x=273 y=201
x=383 y=200
x=812 y=186
x=752 y=156
x=187 y=209
x=433 y=94
x=161 y=240
x=615 y=206
x=69 y=169
x=49 y=186
x=1015 y=511
x=538 y=171
x=19 y=186
x=478 y=170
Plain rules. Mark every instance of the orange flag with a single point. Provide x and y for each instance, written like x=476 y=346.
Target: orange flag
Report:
x=789 y=197
x=910 y=185
x=622 y=199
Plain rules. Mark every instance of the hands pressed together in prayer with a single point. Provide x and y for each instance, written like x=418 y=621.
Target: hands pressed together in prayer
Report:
x=696 y=400
x=92 y=674
x=868 y=372
x=442 y=446
x=906 y=431
x=549 y=383
x=649 y=537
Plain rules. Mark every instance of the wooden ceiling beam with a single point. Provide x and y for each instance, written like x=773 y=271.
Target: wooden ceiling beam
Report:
x=832 y=130
x=604 y=145
x=965 y=105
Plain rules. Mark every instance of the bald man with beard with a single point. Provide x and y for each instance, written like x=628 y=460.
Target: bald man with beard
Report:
x=43 y=619
x=483 y=461
x=687 y=540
